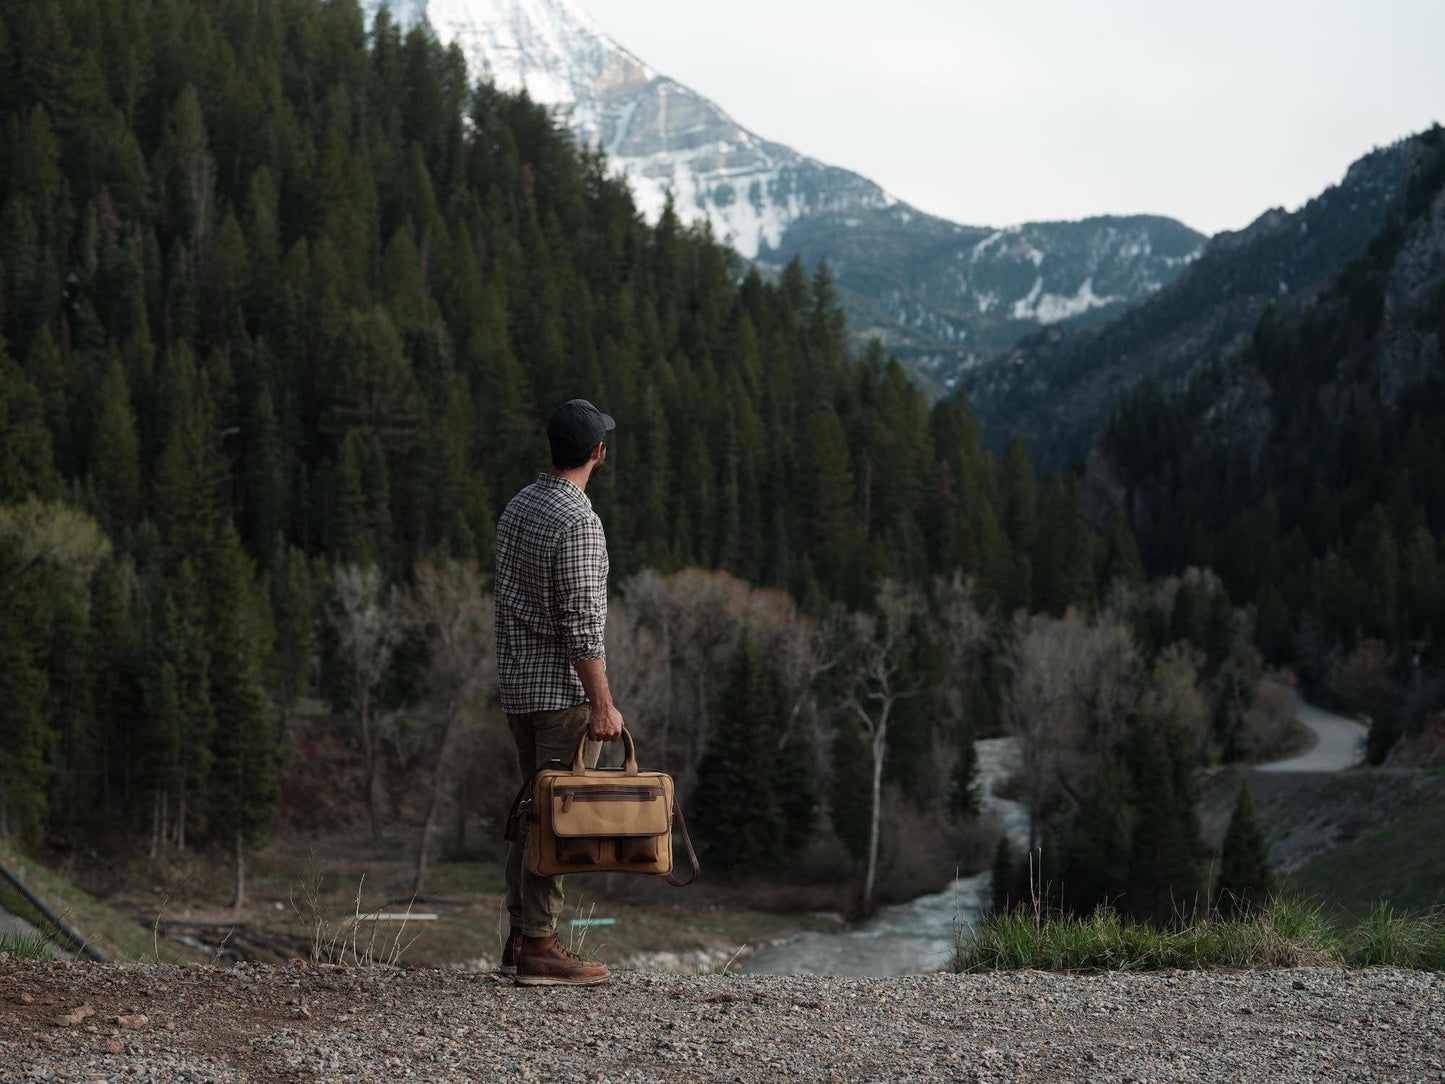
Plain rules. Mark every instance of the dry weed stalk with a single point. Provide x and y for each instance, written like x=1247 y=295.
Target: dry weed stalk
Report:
x=572 y=934
x=733 y=959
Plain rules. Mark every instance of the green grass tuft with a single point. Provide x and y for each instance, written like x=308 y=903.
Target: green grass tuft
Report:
x=1286 y=932
x=24 y=946
x=1390 y=937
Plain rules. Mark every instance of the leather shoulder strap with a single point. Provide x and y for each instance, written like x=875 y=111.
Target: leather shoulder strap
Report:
x=522 y=802
x=691 y=854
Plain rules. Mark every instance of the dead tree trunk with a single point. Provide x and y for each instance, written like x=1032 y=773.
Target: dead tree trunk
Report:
x=368 y=761
x=879 y=748
x=434 y=800
x=238 y=896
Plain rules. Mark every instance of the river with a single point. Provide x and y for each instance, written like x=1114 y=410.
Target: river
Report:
x=917 y=936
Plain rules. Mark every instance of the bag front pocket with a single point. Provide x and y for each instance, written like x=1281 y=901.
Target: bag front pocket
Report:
x=637 y=850
x=579 y=850
x=608 y=809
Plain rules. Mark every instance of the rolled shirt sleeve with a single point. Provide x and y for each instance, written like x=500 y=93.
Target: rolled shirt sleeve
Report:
x=579 y=571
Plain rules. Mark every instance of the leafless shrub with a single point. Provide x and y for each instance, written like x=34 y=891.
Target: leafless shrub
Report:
x=1268 y=725
x=368 y=624
x=668 y=638
x=1074 y=685
x=448 y=604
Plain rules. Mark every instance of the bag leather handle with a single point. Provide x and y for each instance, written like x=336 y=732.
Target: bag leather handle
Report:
x=629 y=765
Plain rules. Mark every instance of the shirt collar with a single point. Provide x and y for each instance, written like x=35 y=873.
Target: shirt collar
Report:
x=551 y=481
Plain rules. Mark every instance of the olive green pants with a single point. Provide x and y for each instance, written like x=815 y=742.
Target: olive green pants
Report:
x=534 y=903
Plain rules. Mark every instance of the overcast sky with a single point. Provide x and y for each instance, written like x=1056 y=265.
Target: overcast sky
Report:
x=1015 y=110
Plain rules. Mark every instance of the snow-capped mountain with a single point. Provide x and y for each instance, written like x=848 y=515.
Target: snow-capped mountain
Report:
x=941 y=295
x=663 y=136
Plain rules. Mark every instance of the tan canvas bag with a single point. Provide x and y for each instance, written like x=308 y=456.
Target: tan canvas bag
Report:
x=604 y=819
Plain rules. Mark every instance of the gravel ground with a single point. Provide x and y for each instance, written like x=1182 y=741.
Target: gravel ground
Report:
x=71 y=1021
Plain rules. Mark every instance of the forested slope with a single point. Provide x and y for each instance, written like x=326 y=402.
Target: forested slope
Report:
x=281 y=295
x=1058 y=386
x=1310 y=471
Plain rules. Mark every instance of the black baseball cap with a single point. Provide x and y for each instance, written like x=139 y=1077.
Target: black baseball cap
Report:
x=576 y=427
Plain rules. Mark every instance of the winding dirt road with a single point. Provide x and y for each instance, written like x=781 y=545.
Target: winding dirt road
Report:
x=1338 y=743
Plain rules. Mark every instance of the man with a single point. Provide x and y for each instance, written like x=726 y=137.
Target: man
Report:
x=551 y=598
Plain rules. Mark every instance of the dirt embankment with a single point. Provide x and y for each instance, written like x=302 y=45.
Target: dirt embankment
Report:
x=1307 y=814
x=85 y=1022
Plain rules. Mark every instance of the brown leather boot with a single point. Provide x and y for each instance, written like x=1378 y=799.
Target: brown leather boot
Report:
x=508 y=965
x=541 y=961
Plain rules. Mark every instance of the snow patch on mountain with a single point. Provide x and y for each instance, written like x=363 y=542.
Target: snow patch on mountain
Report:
x=1051 y=308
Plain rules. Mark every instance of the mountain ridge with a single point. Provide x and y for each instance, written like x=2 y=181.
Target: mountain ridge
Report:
x=942 y=296
x=1056 y=387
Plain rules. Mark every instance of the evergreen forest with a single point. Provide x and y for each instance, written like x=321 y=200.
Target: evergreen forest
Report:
x=284 y=302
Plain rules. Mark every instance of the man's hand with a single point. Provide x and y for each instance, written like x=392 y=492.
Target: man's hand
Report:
x=605 y=723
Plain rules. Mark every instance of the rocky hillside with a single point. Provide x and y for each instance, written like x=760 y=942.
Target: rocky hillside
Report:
x=942 y=296
x=946 y=298
x=1058 y=386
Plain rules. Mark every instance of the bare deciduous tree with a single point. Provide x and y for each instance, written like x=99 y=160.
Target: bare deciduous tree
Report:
x=37 y=532
x=449 y=605
x=1174 y=694
x=668 y=634
x=873 y=690
x=638 y=671
x=368 y=623
x=1074 y=685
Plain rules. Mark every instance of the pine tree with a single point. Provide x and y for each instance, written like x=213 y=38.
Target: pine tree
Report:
x=26 y=468
x=70 y=709
x=832 y=522
x=1019 y=514
x=164 y=721
x=1271 y=624
x=186 y=177
x=1424 y=584
x=193 y=673
x=963 y=796
x=24 y=728
x=115 y=464
x=738 y=801
x=1245 y=877
x=348 y=535
x=1120 y=559
x=47 y=372
x=1163 y=877
x=795 y=782
x=1096 y=850
x=293 y=610
x=117 y=696
x=191 y=478
x=265 y=476
x=243 y=788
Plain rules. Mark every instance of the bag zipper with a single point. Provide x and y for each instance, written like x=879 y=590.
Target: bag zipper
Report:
x=608 y=793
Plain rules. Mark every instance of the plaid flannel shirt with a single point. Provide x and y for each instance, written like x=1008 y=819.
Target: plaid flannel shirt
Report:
x=551 y=595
